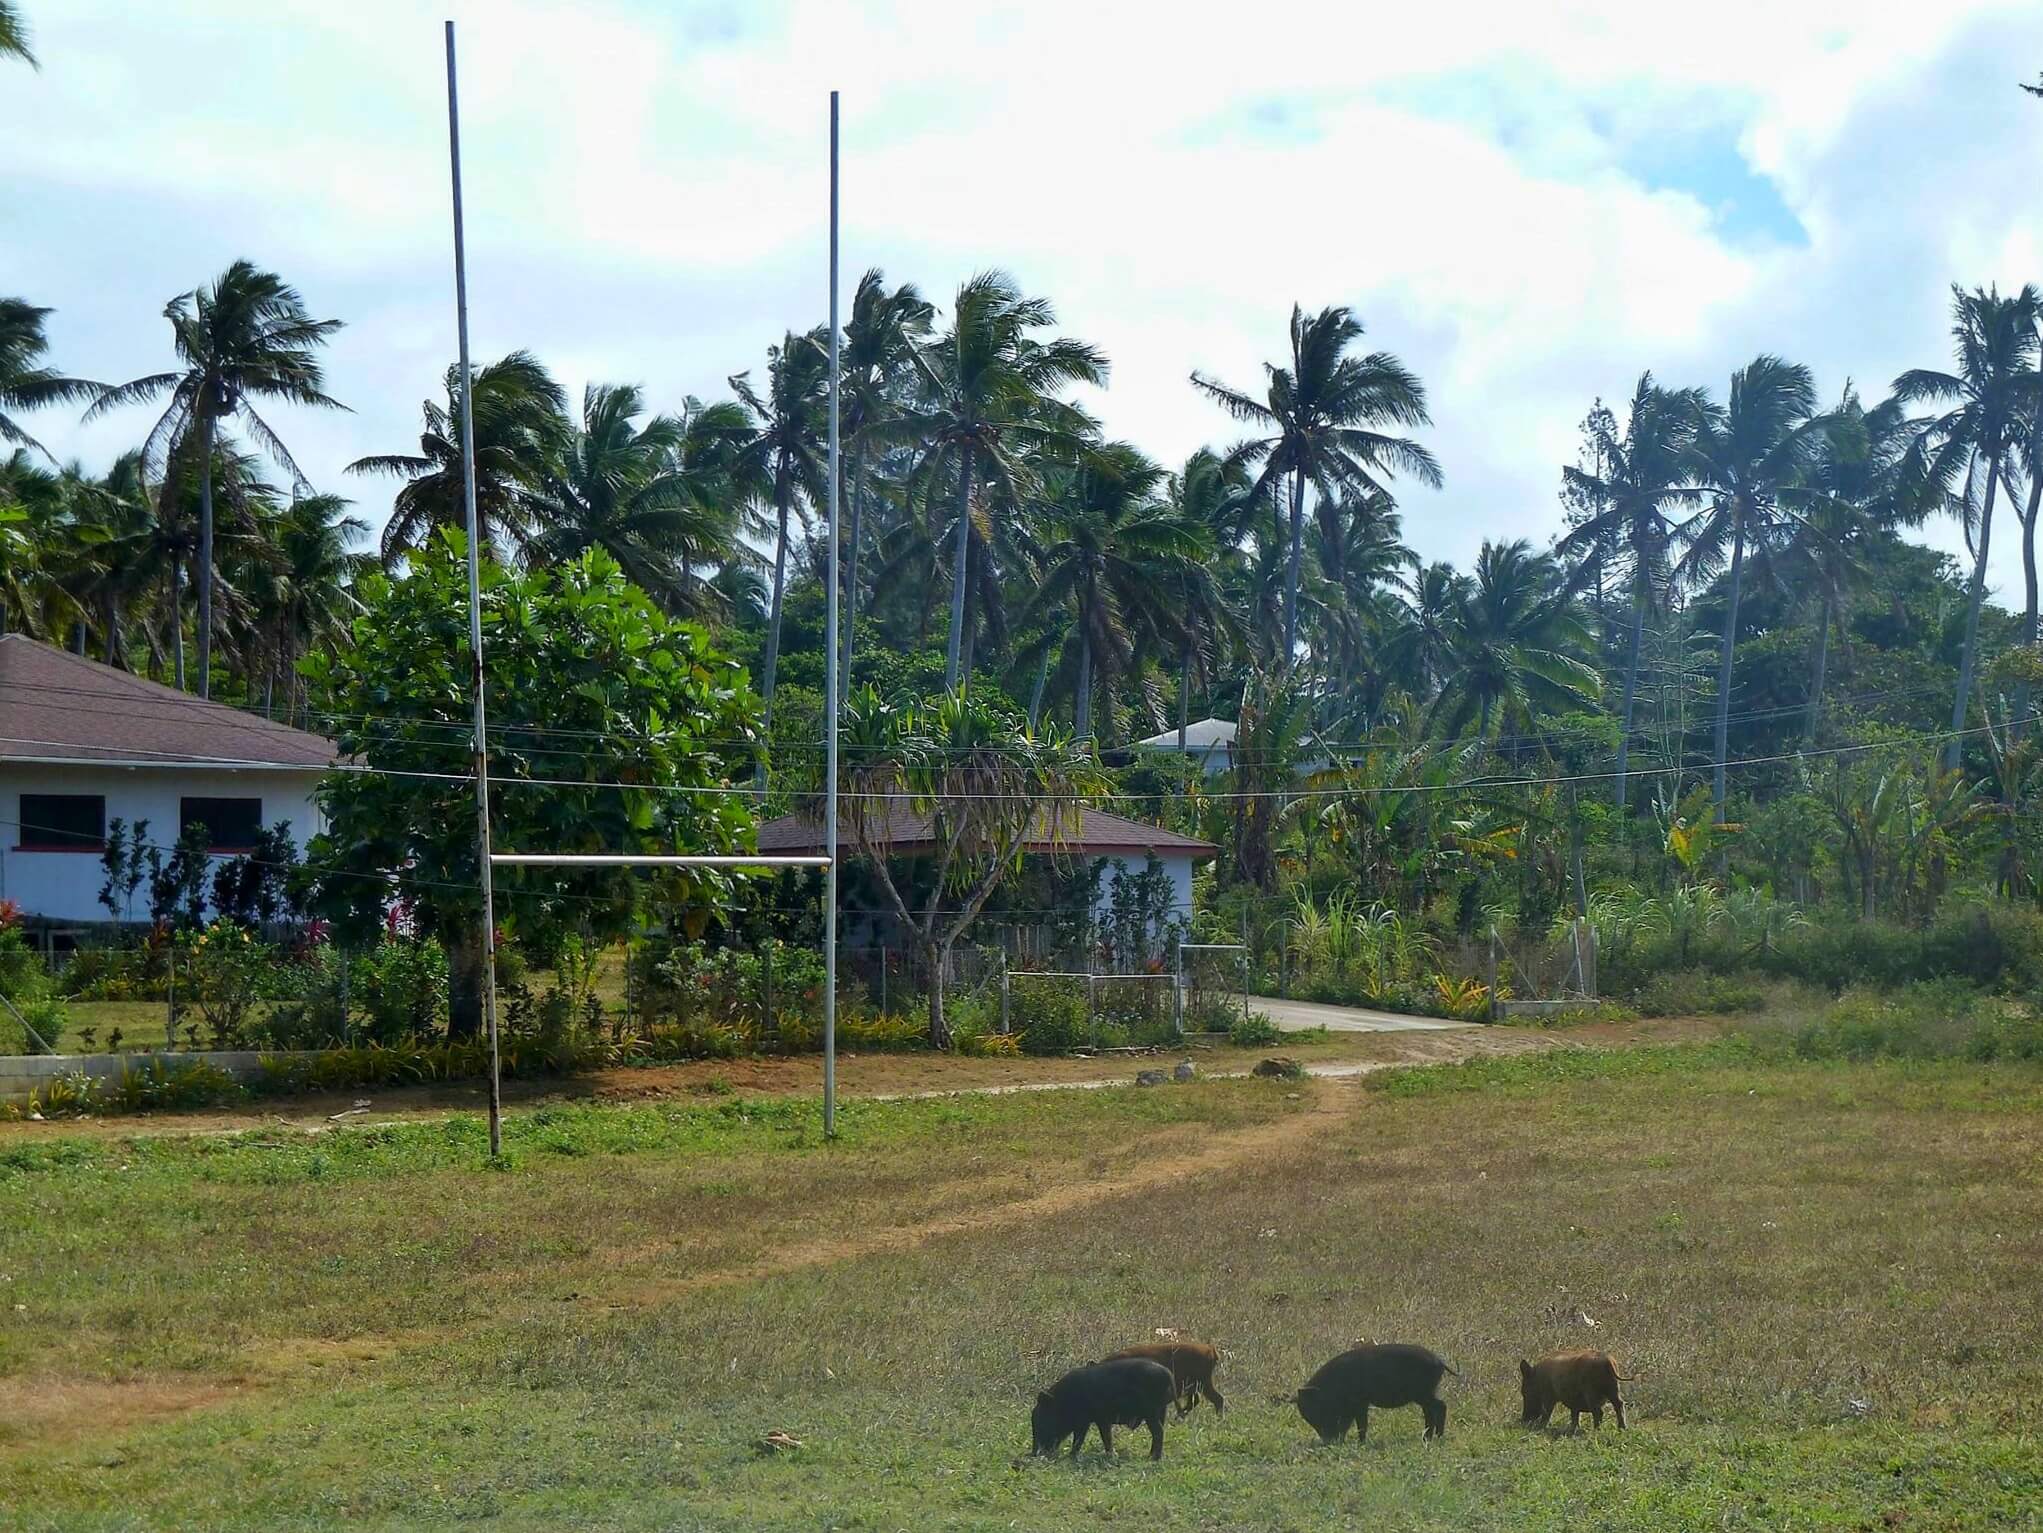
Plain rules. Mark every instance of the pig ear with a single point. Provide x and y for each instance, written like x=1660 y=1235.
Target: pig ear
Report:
x=1524 y=1369
x=1043 y=1398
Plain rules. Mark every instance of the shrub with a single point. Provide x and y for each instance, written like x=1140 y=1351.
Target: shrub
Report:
x=309 y=1003
x=1050 y=1018
x=1254 y=1031
x=401 y=987
x=229 y=969
x=1696 y=993
x=1932 y=1019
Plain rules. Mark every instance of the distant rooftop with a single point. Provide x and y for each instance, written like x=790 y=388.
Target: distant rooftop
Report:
x=56 y=706
x=1086 y=833
x=1202 y=736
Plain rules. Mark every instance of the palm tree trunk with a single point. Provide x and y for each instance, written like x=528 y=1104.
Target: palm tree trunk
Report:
x=1631 y=690
x=177 y=618
x=771 y=664
x=1822 y=667
x=856 y=465
x=1724 y=667
x=1036 y=697
x=1956 y=750
x=954 y=649
x=206 y=562
x=1291 y=572
x=1082 y=708
x=2029 y=581
x=1184 y=696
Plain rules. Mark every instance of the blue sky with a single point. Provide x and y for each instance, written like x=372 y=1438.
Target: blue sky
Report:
x=1530 y=204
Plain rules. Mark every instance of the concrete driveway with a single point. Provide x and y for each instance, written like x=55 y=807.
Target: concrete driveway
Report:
x=1290 y=1015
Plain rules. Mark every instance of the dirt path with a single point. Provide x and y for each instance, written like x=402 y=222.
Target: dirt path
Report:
x=881 y=1077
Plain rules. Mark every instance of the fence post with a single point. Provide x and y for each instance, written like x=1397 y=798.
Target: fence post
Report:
x=170 y=992
x=1283 y=957
x=1177 y=993
x=1589 y=960
x=1003 y=995
x=883 y=978
x=1490 y=973
x=768 y=1026
x=1092 y=1011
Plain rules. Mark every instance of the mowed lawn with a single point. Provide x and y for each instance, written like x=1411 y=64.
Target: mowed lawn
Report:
x=1828 y=1276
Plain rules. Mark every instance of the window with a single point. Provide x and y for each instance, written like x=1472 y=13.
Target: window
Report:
x=62 y=822
x=232 y=824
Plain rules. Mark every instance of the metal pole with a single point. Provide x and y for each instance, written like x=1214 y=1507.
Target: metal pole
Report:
x=830 y=690
x=489 y=903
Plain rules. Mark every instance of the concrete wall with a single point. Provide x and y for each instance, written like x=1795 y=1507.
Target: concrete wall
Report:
x=21 y=1074
x=64 y=885
x=1177 y=868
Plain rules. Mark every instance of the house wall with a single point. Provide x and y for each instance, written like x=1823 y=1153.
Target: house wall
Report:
x=64 y=885
x=1177 y=868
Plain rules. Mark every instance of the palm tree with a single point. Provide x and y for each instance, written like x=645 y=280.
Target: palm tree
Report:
x=1643 y=478
x=1423 y=642
x=248 y=335
x=629 y=490
x=149 y=542
x=1855 y=477
x=1516 y=644
x=1111 y=555
x=14 y=35
x=1996 y=386
x=24 y=383
x=1322 y=415
x=1213 y=496
x=874 y=362
x=520 y=417
x=992 y=403
x=311 y=602
x=785 y=465
x=1750 y=455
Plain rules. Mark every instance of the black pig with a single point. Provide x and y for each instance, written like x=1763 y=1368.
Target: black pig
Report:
x=1388 y=1376
x=1124 y=1392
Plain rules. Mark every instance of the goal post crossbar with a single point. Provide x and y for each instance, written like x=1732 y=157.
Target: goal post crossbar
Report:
x=649 y=860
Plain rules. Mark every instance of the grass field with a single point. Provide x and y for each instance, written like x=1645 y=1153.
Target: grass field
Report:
x=1827 y=1274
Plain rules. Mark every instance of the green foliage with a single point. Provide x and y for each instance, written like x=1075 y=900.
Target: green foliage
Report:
x=1696 y=993
x=1932 y=1019
x=399 y=987
x=1049 y=1015
x=637 y=709
x=1254 y=1031
x=229 y=970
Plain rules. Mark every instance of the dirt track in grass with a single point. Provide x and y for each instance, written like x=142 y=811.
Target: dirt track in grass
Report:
x=858 y=1075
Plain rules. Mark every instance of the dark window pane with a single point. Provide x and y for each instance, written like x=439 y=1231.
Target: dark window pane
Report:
x=232 y=824
x=66 y=821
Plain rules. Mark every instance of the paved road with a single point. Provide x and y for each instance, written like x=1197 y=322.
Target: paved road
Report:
x=1344 y=1019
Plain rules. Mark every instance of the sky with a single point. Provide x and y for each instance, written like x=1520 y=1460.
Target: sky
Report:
x=1529 y=204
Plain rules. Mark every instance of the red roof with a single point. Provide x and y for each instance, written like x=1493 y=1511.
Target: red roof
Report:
x=56 y=706
x=1086 y=833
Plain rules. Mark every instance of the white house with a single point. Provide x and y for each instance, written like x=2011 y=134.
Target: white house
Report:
x=83 y=745
x=1118 y=847
x=1209 y=742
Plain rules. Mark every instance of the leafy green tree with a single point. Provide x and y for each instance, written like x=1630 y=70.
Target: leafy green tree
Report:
x=1642 y=480
x=1750 y=455
x=614 y=729
x=248 y=336
x=982 y=785
x=992 y=410
x=303 y=594
x=1322 y=416
x=1995 y=389
x=25 y=383
x=520 y=419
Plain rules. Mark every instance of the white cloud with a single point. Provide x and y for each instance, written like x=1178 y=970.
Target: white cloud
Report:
x=646 y=192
